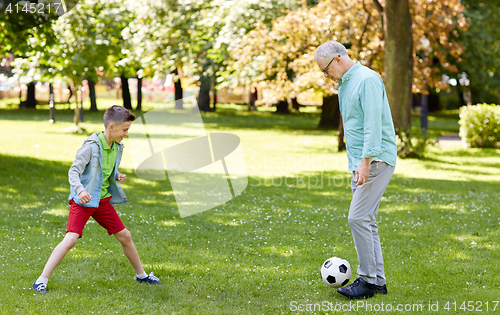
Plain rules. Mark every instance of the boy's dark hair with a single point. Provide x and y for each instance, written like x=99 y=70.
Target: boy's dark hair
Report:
x=117 y=114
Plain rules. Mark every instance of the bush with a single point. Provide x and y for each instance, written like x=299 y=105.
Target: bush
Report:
x=413 y=146
x=480 y=125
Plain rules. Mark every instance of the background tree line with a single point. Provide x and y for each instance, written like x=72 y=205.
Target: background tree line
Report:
x=413 y=44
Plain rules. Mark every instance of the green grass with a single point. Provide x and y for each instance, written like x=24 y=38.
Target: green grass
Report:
x=260 y=252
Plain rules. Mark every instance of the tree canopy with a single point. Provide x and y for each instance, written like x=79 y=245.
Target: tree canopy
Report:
x=281 y=55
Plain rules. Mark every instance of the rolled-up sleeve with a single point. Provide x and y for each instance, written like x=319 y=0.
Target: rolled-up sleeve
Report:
x=371 y=98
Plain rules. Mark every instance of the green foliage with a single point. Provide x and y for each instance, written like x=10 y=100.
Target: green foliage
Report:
x=480 y=125
x=481 y=50
x=280 y=56
x=413 y=144
x=19 y=40
x=84 y=43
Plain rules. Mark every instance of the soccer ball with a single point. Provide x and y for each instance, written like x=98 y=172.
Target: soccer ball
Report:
x=336 y=272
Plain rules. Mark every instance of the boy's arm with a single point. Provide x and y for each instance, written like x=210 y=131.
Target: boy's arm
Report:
x=76 y=170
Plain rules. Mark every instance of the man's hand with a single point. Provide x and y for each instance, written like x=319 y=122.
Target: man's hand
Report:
x=121 y=177
x=363 y=171
x=84 y=197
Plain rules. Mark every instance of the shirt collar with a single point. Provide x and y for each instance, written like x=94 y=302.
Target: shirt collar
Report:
x=351 y=72
x=104 y=143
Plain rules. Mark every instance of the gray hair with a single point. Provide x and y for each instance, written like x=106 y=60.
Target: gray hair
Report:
x=328 y=50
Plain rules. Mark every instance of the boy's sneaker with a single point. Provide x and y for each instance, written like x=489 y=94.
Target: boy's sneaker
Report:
x=40 y=287
x=151 y=279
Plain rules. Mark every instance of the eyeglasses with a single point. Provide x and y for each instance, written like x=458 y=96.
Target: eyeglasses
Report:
x=325 y=70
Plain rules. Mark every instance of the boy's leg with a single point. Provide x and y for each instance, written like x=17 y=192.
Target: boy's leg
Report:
x=107 y=217
x=59 y=252
x=55 y=258
x=78 y=217
x=125 y=238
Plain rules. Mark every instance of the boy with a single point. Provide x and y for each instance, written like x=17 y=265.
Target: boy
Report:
x=93 y=178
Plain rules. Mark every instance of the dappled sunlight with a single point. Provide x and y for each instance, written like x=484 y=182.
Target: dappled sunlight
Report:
x=460 y=256
x=8 y=189
x=78 y=252
x=61 y=189
x=57 y=212
x=171 y=223
x=282 y=251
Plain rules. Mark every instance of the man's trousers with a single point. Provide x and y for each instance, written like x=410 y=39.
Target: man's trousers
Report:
x=362 y=220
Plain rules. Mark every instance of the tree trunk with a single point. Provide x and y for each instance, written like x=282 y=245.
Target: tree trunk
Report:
x=127 y=102
x=70 y=94
x=81 y=103
x=204 y=100
x=178 y=90
x=139 y=94
x=204 y=95
x=76 y=117
x=30 y=97
x=340 y=135
x=214 y=94
x=52 y=107
x=282 y=107
x=295 y=104
x=93 y=102
x=330 y=112
x=398 y=66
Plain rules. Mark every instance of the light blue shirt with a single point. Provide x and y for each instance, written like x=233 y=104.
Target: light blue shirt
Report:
x=366 y=115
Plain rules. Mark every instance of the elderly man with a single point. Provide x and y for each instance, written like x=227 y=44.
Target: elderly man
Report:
x=371 y=152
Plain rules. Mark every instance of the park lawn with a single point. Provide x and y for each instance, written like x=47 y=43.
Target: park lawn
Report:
x=261 y=252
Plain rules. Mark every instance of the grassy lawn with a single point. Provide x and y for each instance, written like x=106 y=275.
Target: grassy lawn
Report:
x=261 y=252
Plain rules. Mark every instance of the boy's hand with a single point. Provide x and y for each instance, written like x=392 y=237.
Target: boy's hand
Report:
x=84 y=197
x=121 y=177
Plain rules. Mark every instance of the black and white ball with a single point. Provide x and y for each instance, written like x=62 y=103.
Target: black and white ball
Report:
x=336 y=272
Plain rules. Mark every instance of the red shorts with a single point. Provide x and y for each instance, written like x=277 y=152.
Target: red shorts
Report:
x=105 y=215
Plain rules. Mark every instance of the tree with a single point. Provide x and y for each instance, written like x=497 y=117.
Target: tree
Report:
x=18 y=35
x=84 y=43
x=398 y=66
x=480 y=67
x=281 y=56
x=220 y=28
x=161 y=32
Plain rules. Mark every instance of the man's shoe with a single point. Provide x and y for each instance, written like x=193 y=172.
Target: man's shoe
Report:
x=359 y=289
x=381 y=289
x=151 y=279
x=40 y=287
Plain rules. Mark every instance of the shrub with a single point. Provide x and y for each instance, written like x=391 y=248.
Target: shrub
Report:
x=413 y=145
x=480 y=125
